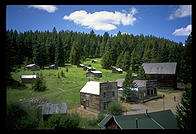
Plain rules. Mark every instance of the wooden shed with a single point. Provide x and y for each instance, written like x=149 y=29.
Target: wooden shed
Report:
x=117 y=70
x=164 y=73
x=97 y=74
x=50 y=109
x=53 y=66
x=32 y=67
x=97 y=95
x=28 y=78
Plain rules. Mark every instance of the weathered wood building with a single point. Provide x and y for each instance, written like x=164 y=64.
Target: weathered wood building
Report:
x=164 y=73
x=144 y=89
x=54 y=66
x=97 y=74
x=155 y=120
x=97 y=95
x=117 y=70
x=28 y=78
x=49 y=109
x=120 y=85
x=32 y=67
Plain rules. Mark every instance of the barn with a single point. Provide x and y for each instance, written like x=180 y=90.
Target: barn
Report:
x=97 y=74
x=32 y=67
x=49 y=109
x=164 y=73
x=154 y=120
x=97 y=95
x=53 y=66
x=117 y=70
x=28 y=78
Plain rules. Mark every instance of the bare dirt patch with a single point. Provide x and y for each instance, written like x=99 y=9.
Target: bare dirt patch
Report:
x=170 y=101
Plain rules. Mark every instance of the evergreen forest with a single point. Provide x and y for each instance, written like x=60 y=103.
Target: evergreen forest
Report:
x=125 y=51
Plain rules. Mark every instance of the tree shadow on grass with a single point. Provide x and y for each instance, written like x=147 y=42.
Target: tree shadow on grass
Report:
x=13 y=84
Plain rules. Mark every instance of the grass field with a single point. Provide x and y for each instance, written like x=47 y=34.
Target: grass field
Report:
x=59 y=89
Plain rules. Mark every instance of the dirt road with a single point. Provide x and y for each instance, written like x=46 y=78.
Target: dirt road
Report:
x=170 y=101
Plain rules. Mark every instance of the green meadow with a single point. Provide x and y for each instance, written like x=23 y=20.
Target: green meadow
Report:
x=63 y=89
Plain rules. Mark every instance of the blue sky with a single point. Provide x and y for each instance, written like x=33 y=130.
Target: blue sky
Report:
x=173 y=22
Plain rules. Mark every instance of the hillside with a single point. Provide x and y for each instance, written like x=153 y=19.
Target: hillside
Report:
x=59 y=89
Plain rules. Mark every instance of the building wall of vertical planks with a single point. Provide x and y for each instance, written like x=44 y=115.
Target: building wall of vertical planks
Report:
x=164 y=73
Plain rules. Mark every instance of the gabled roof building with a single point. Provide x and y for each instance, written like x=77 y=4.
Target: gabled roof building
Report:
x=164 y=73
x=155 y=120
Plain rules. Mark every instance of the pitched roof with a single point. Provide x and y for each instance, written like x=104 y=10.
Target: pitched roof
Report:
x=96 y=72
x=120 y=82
x=30 y=65
x=28 y=76
x=155 y=120
x=160 y=68
x=91 y=87
x=140 y=83
x=58 y=108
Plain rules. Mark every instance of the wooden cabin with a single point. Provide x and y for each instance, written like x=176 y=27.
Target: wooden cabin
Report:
x=117 y=70
x=97 y=74
x=49 y=109
x=28 y=78
x=97 y=95
x=164 y=73
x=94 y=61
x=154 y=120
x=32 y=67
x=54 y=66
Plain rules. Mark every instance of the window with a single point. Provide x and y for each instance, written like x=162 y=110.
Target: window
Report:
x=113 y=94
x=104 y=94
x=104 y=105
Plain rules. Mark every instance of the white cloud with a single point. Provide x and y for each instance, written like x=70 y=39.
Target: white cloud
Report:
x=182 y=11
x=102 y=20
x=48 y=8
x=183 y=31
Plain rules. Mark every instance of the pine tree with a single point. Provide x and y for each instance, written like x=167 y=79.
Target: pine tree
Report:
x=184 y=110
x=59 y=55
x=75 y=53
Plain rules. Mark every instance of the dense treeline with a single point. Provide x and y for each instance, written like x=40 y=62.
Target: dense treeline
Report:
x=123 y=50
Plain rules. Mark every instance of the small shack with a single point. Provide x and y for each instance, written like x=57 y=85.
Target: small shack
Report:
x=97 y=95
x=28 y=78
x=94 y=61
x=81 y=65
x=154 y=120
x=54 y=66
x=97 y=74
x=32 y=67
x=89 y=68
x=117 y=70
x=49 y=109
x=164 y=73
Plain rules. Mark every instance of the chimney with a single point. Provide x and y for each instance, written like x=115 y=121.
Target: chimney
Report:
x=136 y=122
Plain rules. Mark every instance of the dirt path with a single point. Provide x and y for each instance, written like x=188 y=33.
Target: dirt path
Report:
x=156 y=105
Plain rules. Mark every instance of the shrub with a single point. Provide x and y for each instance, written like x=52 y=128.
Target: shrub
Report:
x=100 y=117
x=115 y=108
x=39 y=84
x=68 y=121
x=19 y=117
x=62 y=74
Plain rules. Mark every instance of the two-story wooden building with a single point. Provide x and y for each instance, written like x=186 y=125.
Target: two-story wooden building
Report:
x=164 y=73
x=97 y=95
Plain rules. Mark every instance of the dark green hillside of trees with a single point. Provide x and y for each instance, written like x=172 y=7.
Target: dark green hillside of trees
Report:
x=124 y=51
